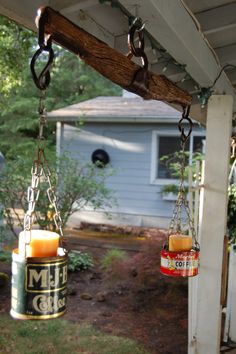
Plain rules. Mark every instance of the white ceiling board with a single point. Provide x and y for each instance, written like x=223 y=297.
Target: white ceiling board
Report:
x=223 y=38
x=84 y=20
x=202 y=5
x=227 y=54
x=23 y=12
x=109 y=18
x=217 y=19
x=78 y=5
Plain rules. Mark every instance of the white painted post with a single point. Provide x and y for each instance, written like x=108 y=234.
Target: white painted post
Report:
x=213 y=223
x=193 y=282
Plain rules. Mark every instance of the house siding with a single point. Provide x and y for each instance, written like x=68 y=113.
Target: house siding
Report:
x=129 y=147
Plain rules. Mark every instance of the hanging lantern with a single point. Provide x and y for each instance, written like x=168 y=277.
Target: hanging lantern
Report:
x=39 y=264
x=180 y=254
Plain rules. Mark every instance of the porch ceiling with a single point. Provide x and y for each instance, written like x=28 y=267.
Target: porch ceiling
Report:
x=179 y=27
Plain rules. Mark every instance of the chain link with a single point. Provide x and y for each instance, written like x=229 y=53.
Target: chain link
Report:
x=182 y=202
x=40 y=168
x=137 y=51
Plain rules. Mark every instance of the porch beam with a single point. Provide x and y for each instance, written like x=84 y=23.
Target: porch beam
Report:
x=109 y=62
x=213 y=220
x=177 y=32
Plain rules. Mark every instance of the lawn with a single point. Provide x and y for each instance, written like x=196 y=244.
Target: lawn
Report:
x=60 y=337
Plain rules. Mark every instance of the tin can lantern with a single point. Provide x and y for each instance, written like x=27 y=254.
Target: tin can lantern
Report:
x=179 y=264
x=39 y=265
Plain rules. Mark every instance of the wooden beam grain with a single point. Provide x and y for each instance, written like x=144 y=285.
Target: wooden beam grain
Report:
x=107 y=61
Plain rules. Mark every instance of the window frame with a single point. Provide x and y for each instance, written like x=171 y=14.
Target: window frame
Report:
x=155 y=154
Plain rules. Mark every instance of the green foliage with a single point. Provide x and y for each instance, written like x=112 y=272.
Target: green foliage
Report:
x=72 y=81
x=231 y=216
x=79 y=261
x=173 y=162
x=78 y=185
x=5 y=256
x=15 y=43
x=111 y=257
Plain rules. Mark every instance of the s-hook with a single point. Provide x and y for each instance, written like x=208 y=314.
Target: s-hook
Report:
x=45 y=45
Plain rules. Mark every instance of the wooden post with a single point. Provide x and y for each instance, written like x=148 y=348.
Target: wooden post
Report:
x=109 y=62
x=213 y=224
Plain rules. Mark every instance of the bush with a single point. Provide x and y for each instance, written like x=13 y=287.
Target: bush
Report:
x=111 y=257
x=77 y=184
x=79 y=261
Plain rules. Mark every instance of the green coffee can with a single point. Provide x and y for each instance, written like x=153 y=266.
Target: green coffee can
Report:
x=39 y=286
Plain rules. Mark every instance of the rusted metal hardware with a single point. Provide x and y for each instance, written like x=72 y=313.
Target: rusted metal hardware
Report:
x=139 y=84
x=42 y=80
x=185 y=117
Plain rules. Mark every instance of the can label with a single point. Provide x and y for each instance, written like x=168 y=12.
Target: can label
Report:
x=38 y=287
x=179 y=264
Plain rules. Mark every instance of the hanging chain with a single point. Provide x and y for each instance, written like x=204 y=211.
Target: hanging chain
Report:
x=40 y=166
x=137 y=51
x=182 y=202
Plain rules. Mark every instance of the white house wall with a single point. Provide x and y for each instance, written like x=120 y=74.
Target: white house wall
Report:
x=129 y=148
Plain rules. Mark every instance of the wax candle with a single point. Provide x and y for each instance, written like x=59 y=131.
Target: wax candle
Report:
x=43 y=243
x=178 y=243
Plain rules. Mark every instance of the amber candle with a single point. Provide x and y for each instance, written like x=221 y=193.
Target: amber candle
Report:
x=43 y=243
x=178 y=243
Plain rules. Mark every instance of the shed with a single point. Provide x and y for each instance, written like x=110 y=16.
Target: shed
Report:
x=135 y=134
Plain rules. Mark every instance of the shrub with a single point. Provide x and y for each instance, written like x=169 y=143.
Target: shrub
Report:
x=78 y=185
x=79 y=261
x=111 y=257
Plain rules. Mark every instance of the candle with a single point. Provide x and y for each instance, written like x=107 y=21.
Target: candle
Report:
x=43 y=243
x=178 y=243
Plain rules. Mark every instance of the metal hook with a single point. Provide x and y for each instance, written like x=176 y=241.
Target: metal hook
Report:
x=185 y=116
x=43 y=79
x=45 y=44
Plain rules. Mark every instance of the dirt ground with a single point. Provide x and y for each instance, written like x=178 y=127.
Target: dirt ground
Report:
x=154 y=314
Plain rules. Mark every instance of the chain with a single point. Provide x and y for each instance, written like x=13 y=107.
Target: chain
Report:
x=182 y=202
x=140 y=81
x=42 y=115
x=137 y=51
x=40 y=166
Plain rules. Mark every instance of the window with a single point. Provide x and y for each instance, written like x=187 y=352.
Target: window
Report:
x=165 y=144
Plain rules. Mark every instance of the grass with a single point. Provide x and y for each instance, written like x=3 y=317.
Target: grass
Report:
x=59 y=337
x=111 y=257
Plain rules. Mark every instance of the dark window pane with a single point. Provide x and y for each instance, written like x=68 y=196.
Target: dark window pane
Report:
x=168 y=145
x=198 y=143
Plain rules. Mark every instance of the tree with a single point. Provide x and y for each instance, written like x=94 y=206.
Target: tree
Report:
x=72 y=81
x=15 y=43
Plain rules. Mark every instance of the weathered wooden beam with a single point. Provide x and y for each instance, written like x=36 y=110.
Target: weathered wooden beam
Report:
x=107 y=61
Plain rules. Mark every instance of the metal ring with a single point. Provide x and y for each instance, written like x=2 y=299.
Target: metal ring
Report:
x=185 y=116
x=136 y=26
